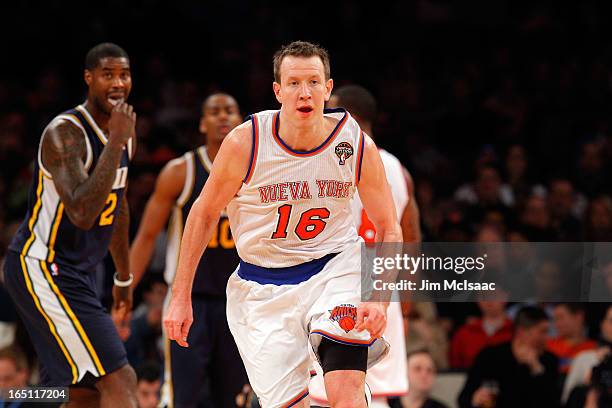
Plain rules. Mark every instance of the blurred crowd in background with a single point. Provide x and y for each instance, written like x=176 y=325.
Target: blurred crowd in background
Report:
x=500 y=110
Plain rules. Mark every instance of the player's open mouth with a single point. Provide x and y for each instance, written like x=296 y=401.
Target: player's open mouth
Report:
x=305 y=109
x=115 y=99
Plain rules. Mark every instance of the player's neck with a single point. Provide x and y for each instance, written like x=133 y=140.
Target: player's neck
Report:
x=98 y=115
x=211 y=150
x=304 y=138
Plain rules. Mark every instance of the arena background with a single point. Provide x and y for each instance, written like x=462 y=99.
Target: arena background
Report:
x=458 y=85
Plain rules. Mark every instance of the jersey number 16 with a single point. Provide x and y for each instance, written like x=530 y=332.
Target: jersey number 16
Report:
x=311 y=223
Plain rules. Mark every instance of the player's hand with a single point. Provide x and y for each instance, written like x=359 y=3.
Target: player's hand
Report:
x=122 y=124
x=121 y=312
x=372 y=316
x=178 y=320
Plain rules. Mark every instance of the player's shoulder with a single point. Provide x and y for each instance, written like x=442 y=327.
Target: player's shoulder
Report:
x=240 y=139
x=389 y=158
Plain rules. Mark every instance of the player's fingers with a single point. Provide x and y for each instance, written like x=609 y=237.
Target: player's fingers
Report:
x=185 y=332
x=361 y=315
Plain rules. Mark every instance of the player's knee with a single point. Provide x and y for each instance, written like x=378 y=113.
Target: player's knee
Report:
x=335 y=356
x=121 y=379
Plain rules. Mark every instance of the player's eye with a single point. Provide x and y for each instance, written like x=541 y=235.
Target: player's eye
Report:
x=314 y=82
x=108 y=75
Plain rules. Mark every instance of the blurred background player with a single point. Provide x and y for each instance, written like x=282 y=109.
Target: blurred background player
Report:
x=77 y=212
x=388 y=378
x=208 y=373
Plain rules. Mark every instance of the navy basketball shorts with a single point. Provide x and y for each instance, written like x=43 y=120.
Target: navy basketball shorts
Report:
x=75 y=339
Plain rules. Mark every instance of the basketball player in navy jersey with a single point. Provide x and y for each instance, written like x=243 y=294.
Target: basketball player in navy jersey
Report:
x=286 y=178
x=77 y=212
x=209 y=372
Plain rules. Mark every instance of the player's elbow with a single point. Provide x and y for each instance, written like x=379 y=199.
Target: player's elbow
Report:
x=81 y=219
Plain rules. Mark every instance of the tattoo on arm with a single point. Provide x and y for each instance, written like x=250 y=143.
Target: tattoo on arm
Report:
x=63 y=153
x=119 y=246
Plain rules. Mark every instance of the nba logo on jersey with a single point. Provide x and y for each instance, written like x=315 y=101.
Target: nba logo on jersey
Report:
x=345 y=316
x=54 y=269
x=344 y=150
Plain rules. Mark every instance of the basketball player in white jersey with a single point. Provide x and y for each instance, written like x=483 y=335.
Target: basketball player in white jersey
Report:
x=389 y=377
x=287 y=178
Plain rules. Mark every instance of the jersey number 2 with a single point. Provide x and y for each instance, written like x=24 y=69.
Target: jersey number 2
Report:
x=107 y=217
x=310 y=225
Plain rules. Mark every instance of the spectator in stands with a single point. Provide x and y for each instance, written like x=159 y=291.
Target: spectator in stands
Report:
x=598 y=220
x=535 y=219
x=569 y=320
x=421 y=377
x=584 y=362
x=491 y=329
x=424 y=331
x=484 y=195
x=149 y=383
x=523 y=373
x=13 y=368
x=561 y=202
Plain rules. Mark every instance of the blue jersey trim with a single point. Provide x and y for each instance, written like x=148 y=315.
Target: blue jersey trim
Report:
x=291 y=275
x=332 y=135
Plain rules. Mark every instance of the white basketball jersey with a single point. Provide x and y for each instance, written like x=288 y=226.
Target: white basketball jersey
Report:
x=295 y=206
x=394 y=171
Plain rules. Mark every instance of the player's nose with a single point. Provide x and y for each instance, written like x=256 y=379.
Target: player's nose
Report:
x=304 y=91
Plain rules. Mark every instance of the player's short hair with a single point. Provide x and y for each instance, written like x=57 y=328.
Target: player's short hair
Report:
x=357 y=100
x=529 y=316
x=301 y=49
x=104 y=50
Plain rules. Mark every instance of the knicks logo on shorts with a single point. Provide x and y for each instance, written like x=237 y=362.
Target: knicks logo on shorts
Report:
x=345 y=316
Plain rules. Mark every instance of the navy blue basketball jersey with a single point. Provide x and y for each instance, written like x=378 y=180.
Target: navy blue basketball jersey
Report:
x=47 y=233
x=220 y=258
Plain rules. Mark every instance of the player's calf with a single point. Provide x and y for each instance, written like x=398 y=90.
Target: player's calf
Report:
x=344 y=369
x=118 y=389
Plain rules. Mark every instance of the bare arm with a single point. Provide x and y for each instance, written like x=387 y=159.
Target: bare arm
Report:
x=119 y=245
x=157 y=211
x=411 y=227
x=63 y=152
x=224 y=181
x=376 y=197
x=378 y=203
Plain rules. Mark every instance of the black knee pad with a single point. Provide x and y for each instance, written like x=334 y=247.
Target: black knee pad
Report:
x=336 y=356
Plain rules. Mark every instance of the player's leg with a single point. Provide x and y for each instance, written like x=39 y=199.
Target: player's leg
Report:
x=267 y=325
x=117 y=388
x=227 y=373
x=81 y=397
x=344 y=367
x=73 y=335
x=188 y=380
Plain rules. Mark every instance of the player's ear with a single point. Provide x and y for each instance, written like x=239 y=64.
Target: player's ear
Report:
x=277 y=88
x=329 y=86
x=87 y=76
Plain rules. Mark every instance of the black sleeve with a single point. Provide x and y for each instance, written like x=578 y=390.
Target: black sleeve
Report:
x=478 y=372
x=546 y=392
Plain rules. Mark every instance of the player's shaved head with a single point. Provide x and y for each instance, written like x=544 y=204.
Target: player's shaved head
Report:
x=357 y=100
x=101 y=51
x=214 y=97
